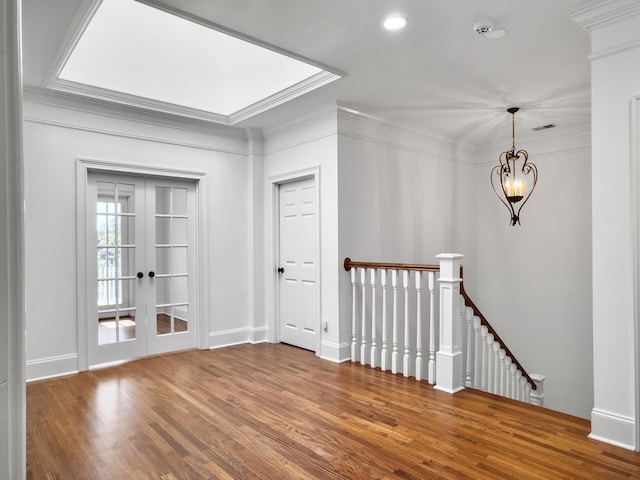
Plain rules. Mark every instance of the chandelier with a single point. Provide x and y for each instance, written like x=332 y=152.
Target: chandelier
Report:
x=513 y=191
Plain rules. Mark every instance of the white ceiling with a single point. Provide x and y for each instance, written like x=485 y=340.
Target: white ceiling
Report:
x=437 y=76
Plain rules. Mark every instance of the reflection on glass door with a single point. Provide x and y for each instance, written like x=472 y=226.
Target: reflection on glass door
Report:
x=115 y=232
x=172 y=302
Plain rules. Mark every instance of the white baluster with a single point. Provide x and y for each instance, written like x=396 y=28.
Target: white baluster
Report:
x=354 y=319
x=496 y=370
x=514 y=372
x=418 y=327
x=518 y=386
x=477 y=353
x=503 y=372
x=383 y=353
x=407 y=332
x=470 y=345
x=373 y=318
x=394 y=349
x=432 y=329
x=363 y=333
x=508 y=387
x=490 y=363
x=527 y=393
x=484 y=369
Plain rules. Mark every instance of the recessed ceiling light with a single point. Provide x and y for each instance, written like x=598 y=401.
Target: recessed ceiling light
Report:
x=395 y=22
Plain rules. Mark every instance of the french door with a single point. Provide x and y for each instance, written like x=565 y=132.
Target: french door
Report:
x=141 y=266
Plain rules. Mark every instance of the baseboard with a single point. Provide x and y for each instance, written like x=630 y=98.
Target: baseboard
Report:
x=614 y=429
x=335 y=352
x=43 y=368
x=237 y=336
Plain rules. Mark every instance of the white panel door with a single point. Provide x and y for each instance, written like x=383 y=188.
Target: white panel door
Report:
x=141 y=272
x=298 y=271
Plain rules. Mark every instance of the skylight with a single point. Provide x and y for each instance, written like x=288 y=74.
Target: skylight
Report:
x=133 y=53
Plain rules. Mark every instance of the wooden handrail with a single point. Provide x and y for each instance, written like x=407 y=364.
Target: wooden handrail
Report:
x=485 y=322
x=349 y=264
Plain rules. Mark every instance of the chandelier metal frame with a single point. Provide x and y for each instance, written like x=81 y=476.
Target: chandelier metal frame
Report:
x=511 y=190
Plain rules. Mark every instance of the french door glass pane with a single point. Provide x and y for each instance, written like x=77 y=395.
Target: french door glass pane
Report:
x=163 y=230
x=163 y=260
x=115 y=237
x=171 y=242
x=179 y=201
x=163 y=200
x=179 y=231
x=181 y=316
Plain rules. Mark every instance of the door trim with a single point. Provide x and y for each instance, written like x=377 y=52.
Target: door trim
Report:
x=83 y=167
x=274 y=254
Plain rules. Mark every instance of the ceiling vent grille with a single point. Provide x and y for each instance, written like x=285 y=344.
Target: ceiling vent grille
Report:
x=545 y=127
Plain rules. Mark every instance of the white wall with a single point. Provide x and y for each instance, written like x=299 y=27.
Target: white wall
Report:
x=307 y=145
x=403 y=198
x=534 y=280
x=54 y=138
x=615 y=55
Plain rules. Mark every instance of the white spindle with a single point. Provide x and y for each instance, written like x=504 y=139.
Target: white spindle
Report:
x=470 y=342
x=490 y=363
x=418 y=326
x=363 y=333
x=432 y=330
x=514 y=371
x=354 y=322
x=503 y=372
x=496 y=370
x=383 y=353
x=407 y=332
x=527 y=393
x=517 y=388
x=373 y=318
x=484 y=364
x=477 y=354
x=508 y=387
x=394 y=350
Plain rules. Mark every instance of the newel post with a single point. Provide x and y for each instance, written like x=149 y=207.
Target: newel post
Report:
x=449 y=366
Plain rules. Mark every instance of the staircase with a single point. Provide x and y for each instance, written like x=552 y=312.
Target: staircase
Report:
x=418 y=321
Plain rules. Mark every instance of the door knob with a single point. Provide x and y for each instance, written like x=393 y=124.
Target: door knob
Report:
x=140 y=274
x=152 y=274
x=280 y=269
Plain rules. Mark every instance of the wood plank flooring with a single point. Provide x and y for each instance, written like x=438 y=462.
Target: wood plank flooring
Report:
x=276 y=412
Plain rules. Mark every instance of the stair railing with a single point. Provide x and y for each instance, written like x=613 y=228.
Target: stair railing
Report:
x=393 y=319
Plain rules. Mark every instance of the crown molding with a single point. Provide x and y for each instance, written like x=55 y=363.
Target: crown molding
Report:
x=603 y=13
x=126 y=112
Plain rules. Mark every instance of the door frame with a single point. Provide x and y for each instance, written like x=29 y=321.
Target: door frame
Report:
x=273 y=261
x=83 y=167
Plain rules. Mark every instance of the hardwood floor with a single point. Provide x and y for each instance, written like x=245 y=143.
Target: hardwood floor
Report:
x=276 y=412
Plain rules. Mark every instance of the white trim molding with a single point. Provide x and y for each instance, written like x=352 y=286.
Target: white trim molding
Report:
x=12 y=299
x=43 y=368
x=336 y=352
x=612 y=428
x=237 y=336
x=635 y=225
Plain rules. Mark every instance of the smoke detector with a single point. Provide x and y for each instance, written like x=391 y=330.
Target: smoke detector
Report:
x=487 y=30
